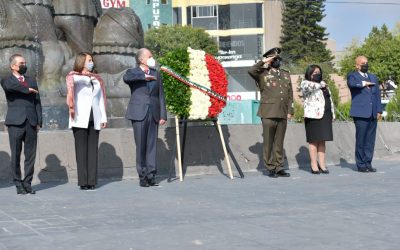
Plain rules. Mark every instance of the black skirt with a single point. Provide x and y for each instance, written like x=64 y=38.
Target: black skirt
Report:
x=319 y=129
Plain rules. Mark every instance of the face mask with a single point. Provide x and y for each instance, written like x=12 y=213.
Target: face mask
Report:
x=364 y=68
x=22 y=69
x=276 y=64
x=317 y=78
x=151 y=62
x=90 y=66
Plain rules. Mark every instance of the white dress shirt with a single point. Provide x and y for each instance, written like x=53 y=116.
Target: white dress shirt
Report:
x=87 y=98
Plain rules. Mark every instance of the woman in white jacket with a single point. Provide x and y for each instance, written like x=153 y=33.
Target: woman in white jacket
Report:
x=86 y=101
x=318 y=116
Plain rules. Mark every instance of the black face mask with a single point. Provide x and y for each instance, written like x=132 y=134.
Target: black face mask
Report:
x=317 y=78
x=364 y=68
x=276 y=64
x=22 y=69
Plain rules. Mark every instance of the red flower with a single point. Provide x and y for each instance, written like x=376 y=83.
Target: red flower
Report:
x=219 y=84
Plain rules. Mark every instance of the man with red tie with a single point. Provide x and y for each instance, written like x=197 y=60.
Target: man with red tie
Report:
x=23 y=120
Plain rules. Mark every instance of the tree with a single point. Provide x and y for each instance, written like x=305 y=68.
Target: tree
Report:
x=302 y=37
x=382 y=48
x=167 y=38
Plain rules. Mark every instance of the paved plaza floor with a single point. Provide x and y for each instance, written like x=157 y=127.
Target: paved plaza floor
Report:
x=343 y=210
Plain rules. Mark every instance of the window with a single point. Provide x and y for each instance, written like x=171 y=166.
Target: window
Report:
x=205 y=17
x=148 y=26
x=204 y=11
x=240 y=16
x=148 y=2
x=164 y=1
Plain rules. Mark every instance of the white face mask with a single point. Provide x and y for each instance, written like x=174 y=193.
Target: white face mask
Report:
x=151 y=62
x=90 y=66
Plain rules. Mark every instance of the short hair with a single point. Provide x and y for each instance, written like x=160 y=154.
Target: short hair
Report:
x=80 y=61
x=310 y=69
x=13 y=57
x=140 y=53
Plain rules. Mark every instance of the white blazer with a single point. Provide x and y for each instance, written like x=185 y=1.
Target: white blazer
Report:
x=86 y=98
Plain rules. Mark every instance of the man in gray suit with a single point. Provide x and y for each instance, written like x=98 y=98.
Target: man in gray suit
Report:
x=23 y=120
x=146 y=110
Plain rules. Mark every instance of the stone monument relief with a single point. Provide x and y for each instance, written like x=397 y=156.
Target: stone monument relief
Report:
x=49 y=33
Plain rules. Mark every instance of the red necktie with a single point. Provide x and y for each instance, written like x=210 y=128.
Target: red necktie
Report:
x=21 y=80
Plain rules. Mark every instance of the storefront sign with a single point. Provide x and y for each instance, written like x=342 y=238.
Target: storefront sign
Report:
x=105 y=4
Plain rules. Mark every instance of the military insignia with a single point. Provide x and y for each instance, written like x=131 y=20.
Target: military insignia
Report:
x=269 y=76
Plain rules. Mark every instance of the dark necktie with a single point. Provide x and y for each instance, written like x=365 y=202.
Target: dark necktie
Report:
x=22 y=81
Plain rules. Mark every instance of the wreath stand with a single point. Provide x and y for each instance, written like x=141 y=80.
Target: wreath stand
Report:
x=181 y=148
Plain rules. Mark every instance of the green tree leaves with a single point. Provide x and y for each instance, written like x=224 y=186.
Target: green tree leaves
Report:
x=167 y=38
x=302 y=37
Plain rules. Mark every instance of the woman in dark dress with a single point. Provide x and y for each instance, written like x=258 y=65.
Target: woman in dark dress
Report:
x=318 y=116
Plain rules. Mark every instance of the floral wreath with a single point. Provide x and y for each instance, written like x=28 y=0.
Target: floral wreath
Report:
x=195 y=84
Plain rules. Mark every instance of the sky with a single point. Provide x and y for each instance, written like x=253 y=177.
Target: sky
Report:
x=347 y=21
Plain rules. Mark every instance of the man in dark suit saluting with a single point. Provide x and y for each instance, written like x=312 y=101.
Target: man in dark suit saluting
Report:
x=146 y=110
x=23 y=120
x=366 y=110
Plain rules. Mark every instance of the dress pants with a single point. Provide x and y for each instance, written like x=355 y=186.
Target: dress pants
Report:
x=146 y=134
x=86 y=150
x=18 y=134
x=365 y=140
x=274 y=130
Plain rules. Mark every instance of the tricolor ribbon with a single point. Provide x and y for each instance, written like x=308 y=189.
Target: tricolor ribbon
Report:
x=191 y=84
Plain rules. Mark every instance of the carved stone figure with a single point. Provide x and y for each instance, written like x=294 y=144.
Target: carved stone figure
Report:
x=51 y=53
x=49 y=33
x=76 y=20
x=121 y=49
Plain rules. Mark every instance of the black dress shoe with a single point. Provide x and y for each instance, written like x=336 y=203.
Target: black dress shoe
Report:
x=20 y=190
x=144 y=183
x=282 y=173
x=29 y=190
x=152 y=182
x=272 y=174
x=370 y=169
x=91 y=187
x=84 y=187
x=314 y=171
x=362 y=169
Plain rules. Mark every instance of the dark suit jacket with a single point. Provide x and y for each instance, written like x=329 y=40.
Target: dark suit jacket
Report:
x=22 y=105
x=145 y=95
x=365 y=102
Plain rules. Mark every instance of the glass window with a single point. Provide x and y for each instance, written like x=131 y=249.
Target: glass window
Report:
x=164 y=1
x=240 y=16
x=204 y=11
x=148 y=1
x=177 y=15
x=246 y=47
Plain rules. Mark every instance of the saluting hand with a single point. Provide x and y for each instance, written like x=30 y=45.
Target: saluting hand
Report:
x=149 y=77
x=267 y=60
x=33 y=91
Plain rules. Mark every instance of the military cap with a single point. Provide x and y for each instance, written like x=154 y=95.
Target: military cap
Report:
x=272 y=52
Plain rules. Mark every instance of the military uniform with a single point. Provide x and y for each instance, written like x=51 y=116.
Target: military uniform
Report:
x=276 y=103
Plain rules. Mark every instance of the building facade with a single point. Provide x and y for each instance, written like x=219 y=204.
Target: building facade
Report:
x=153 y=13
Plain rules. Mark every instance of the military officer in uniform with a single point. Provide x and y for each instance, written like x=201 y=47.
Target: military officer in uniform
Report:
x=276 y=107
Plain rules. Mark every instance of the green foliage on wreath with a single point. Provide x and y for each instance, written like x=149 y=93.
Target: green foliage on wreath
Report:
x=177 y=94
